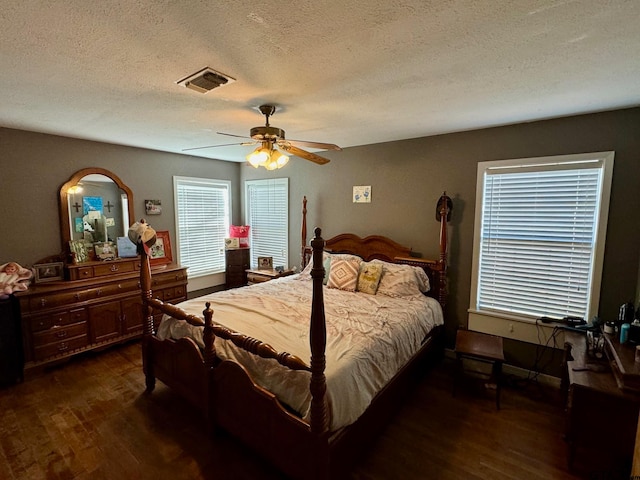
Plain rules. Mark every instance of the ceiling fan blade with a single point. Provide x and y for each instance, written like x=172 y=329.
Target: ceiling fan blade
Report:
x=232 y=135
x=321 y=146
x=214 y=146
x=304 y=154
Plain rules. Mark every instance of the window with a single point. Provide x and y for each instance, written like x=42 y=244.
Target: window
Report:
x=539 y=236
x=267 y=212
x=203 y=209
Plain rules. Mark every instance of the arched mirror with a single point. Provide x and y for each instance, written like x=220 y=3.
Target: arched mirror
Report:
x=95 y=207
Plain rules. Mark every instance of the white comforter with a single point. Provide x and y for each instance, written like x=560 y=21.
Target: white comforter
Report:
x=369 y=337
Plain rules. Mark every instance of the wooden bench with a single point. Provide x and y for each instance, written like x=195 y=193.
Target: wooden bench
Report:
x=480 y=347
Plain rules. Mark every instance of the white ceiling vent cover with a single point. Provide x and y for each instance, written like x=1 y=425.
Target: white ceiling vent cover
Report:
x=205 y=80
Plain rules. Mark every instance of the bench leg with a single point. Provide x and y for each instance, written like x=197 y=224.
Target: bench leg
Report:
x=497 y=375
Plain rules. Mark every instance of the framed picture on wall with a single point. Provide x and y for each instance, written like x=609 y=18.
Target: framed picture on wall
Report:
x=161 y=251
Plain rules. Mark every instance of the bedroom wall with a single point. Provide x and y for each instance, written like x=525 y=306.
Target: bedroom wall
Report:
x=407 y=178
x=34 y=166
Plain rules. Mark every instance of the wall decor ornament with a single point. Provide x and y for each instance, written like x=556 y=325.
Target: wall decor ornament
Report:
x=153 y=207
x=362 y=194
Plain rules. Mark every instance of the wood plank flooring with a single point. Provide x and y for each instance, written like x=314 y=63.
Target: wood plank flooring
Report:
x=89 y=419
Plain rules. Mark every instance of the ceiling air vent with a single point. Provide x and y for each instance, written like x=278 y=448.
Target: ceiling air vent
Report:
x=205 y=80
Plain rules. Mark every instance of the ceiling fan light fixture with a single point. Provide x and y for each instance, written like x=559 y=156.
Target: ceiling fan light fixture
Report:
x=280 y=158
x=260 y=156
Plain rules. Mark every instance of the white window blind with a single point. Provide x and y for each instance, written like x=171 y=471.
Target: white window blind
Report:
x=542 y=226
x=202 y=223
x=267 y=212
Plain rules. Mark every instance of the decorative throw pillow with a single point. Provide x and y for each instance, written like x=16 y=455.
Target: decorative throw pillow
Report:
x=327 y=268
x=343 y=274
x=402 y=280
x=369 y=277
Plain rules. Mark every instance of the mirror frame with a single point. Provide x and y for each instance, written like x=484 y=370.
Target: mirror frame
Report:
x=65 y=231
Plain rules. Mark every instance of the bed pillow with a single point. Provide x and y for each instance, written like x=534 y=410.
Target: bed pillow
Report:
x=402 y=280
x=326 y=257
x=343 y=273
x=369 y=277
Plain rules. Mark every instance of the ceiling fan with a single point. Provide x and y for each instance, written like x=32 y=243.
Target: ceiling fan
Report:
x=268 y=138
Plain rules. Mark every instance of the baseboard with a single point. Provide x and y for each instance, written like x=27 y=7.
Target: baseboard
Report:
x=507 y=369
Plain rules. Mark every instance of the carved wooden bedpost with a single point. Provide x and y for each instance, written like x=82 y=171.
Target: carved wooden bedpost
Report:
x=208 y=336
x=147 y=313
x=303 y=244
x=443 y=214
x=318 y=340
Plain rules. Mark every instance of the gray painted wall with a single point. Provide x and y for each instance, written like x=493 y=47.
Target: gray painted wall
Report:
x=407 y=178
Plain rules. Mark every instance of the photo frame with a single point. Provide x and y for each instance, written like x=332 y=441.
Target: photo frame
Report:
x=153 y=207
x=105 y=250
x=79 y=250
x=161 y=251
x=265 y=263
x=48 y=272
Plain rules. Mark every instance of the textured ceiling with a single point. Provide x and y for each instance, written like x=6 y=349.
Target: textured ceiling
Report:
x=350 y=72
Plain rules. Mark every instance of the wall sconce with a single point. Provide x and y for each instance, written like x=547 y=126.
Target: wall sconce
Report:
x=268 y=157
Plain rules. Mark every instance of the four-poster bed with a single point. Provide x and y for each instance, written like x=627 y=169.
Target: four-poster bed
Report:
x=307 y=440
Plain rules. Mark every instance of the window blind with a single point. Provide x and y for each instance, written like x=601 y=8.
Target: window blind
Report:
x=202 y=218
x=538 y=240
x=267 y=204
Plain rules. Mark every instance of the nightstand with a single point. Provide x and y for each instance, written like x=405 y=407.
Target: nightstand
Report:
x=237 y=260
x=259 y=276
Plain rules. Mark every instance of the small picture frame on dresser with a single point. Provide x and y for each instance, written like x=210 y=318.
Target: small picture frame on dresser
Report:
x=48 y=272
x=161 y=251
x=265 y=263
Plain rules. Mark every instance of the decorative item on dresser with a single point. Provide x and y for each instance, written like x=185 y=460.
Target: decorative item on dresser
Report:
x=304 y=435
x=85 y=303
x=237 y=261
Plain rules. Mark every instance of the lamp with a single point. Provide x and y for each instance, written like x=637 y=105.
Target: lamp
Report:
x=268 y=157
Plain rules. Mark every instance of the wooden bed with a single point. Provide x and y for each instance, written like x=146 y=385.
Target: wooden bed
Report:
x=228 y=397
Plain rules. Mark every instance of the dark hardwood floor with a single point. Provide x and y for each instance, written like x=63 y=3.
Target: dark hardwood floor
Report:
x=89 y=419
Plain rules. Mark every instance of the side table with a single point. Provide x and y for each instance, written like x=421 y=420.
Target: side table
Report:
x=264 y=275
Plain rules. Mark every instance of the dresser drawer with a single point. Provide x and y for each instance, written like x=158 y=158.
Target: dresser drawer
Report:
x=173 y=295
x=44 y=322
x=42 y=352
x=59 y=333
x=113 y=268
x=167 y=278
x=43 y=302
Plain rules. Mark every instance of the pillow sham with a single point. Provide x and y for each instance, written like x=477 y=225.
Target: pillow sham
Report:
x=402 y=280
x=369 y=277
x=343 y=274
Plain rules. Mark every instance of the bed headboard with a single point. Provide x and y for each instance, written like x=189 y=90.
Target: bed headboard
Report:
x=383 y=248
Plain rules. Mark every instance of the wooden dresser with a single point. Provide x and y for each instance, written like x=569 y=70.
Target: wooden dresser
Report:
x=601 y=416
x=100 y=306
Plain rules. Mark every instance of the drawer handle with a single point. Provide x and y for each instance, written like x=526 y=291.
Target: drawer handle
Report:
x=77 y=296
x=99 y=292
x=85 y=273
x=43 y=302
x=62 y=347
x=114 y=268
x=61 y=334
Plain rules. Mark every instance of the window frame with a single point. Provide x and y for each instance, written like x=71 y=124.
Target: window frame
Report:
x=484 y=319
x=203 y=278
x=255 y=252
